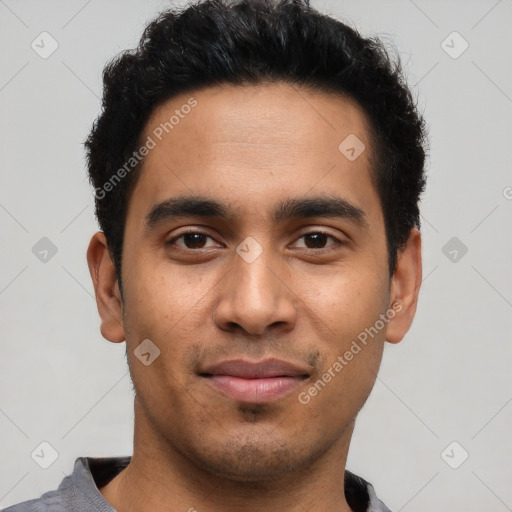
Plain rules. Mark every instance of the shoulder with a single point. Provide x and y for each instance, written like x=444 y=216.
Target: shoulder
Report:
x=76 y=493
x=51 y=501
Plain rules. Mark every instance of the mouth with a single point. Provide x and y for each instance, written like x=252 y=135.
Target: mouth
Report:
x=255 y=382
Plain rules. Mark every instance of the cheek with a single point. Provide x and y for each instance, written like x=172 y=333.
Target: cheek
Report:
x=170 y=308
x=346 y=300
x=350 y=333
x=350 y=363
x=160 y=295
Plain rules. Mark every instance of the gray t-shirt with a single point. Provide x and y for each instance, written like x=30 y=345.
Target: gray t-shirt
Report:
x=79 y=492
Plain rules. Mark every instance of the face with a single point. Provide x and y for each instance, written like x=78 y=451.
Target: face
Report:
x=258 y=293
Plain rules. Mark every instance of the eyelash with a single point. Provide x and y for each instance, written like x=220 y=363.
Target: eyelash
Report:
x=316 y=232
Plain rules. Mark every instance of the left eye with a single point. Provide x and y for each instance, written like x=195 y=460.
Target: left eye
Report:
x=196 y=240
x=317 y=238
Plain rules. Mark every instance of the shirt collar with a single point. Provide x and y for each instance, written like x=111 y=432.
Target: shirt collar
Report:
x=98 y=471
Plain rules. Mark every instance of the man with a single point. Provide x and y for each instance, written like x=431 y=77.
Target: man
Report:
x=257 y=169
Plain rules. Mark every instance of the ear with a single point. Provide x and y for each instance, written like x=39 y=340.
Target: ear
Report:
x=106 y=287
x=405 y=287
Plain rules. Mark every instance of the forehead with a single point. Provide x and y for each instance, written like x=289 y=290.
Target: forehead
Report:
x=251 y=145
x=279 y=116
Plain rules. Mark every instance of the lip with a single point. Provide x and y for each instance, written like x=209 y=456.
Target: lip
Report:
x=255 y=382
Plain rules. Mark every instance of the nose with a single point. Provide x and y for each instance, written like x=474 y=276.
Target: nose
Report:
x=256 y=296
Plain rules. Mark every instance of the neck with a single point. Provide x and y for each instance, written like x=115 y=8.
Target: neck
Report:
x=160 y=478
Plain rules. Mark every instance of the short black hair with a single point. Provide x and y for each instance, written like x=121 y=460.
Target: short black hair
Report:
x=244 y=42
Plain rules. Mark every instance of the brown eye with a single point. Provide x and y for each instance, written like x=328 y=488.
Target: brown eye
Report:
x=191 y=240
x=317 y=240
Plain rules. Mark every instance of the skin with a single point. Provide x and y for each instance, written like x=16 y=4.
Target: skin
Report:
x=250 y=147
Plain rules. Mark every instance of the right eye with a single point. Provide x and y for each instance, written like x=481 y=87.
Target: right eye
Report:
x=191 y=240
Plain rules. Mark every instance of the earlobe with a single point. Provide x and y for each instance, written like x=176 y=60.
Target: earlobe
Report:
x=405 y=287
x=108 y=297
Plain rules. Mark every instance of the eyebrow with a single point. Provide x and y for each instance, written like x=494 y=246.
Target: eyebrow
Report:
x=200 y=206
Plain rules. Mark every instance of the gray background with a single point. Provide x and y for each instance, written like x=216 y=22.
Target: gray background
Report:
x=449 y=380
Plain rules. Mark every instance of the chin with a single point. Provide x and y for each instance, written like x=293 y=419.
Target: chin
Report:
x=256 y=458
